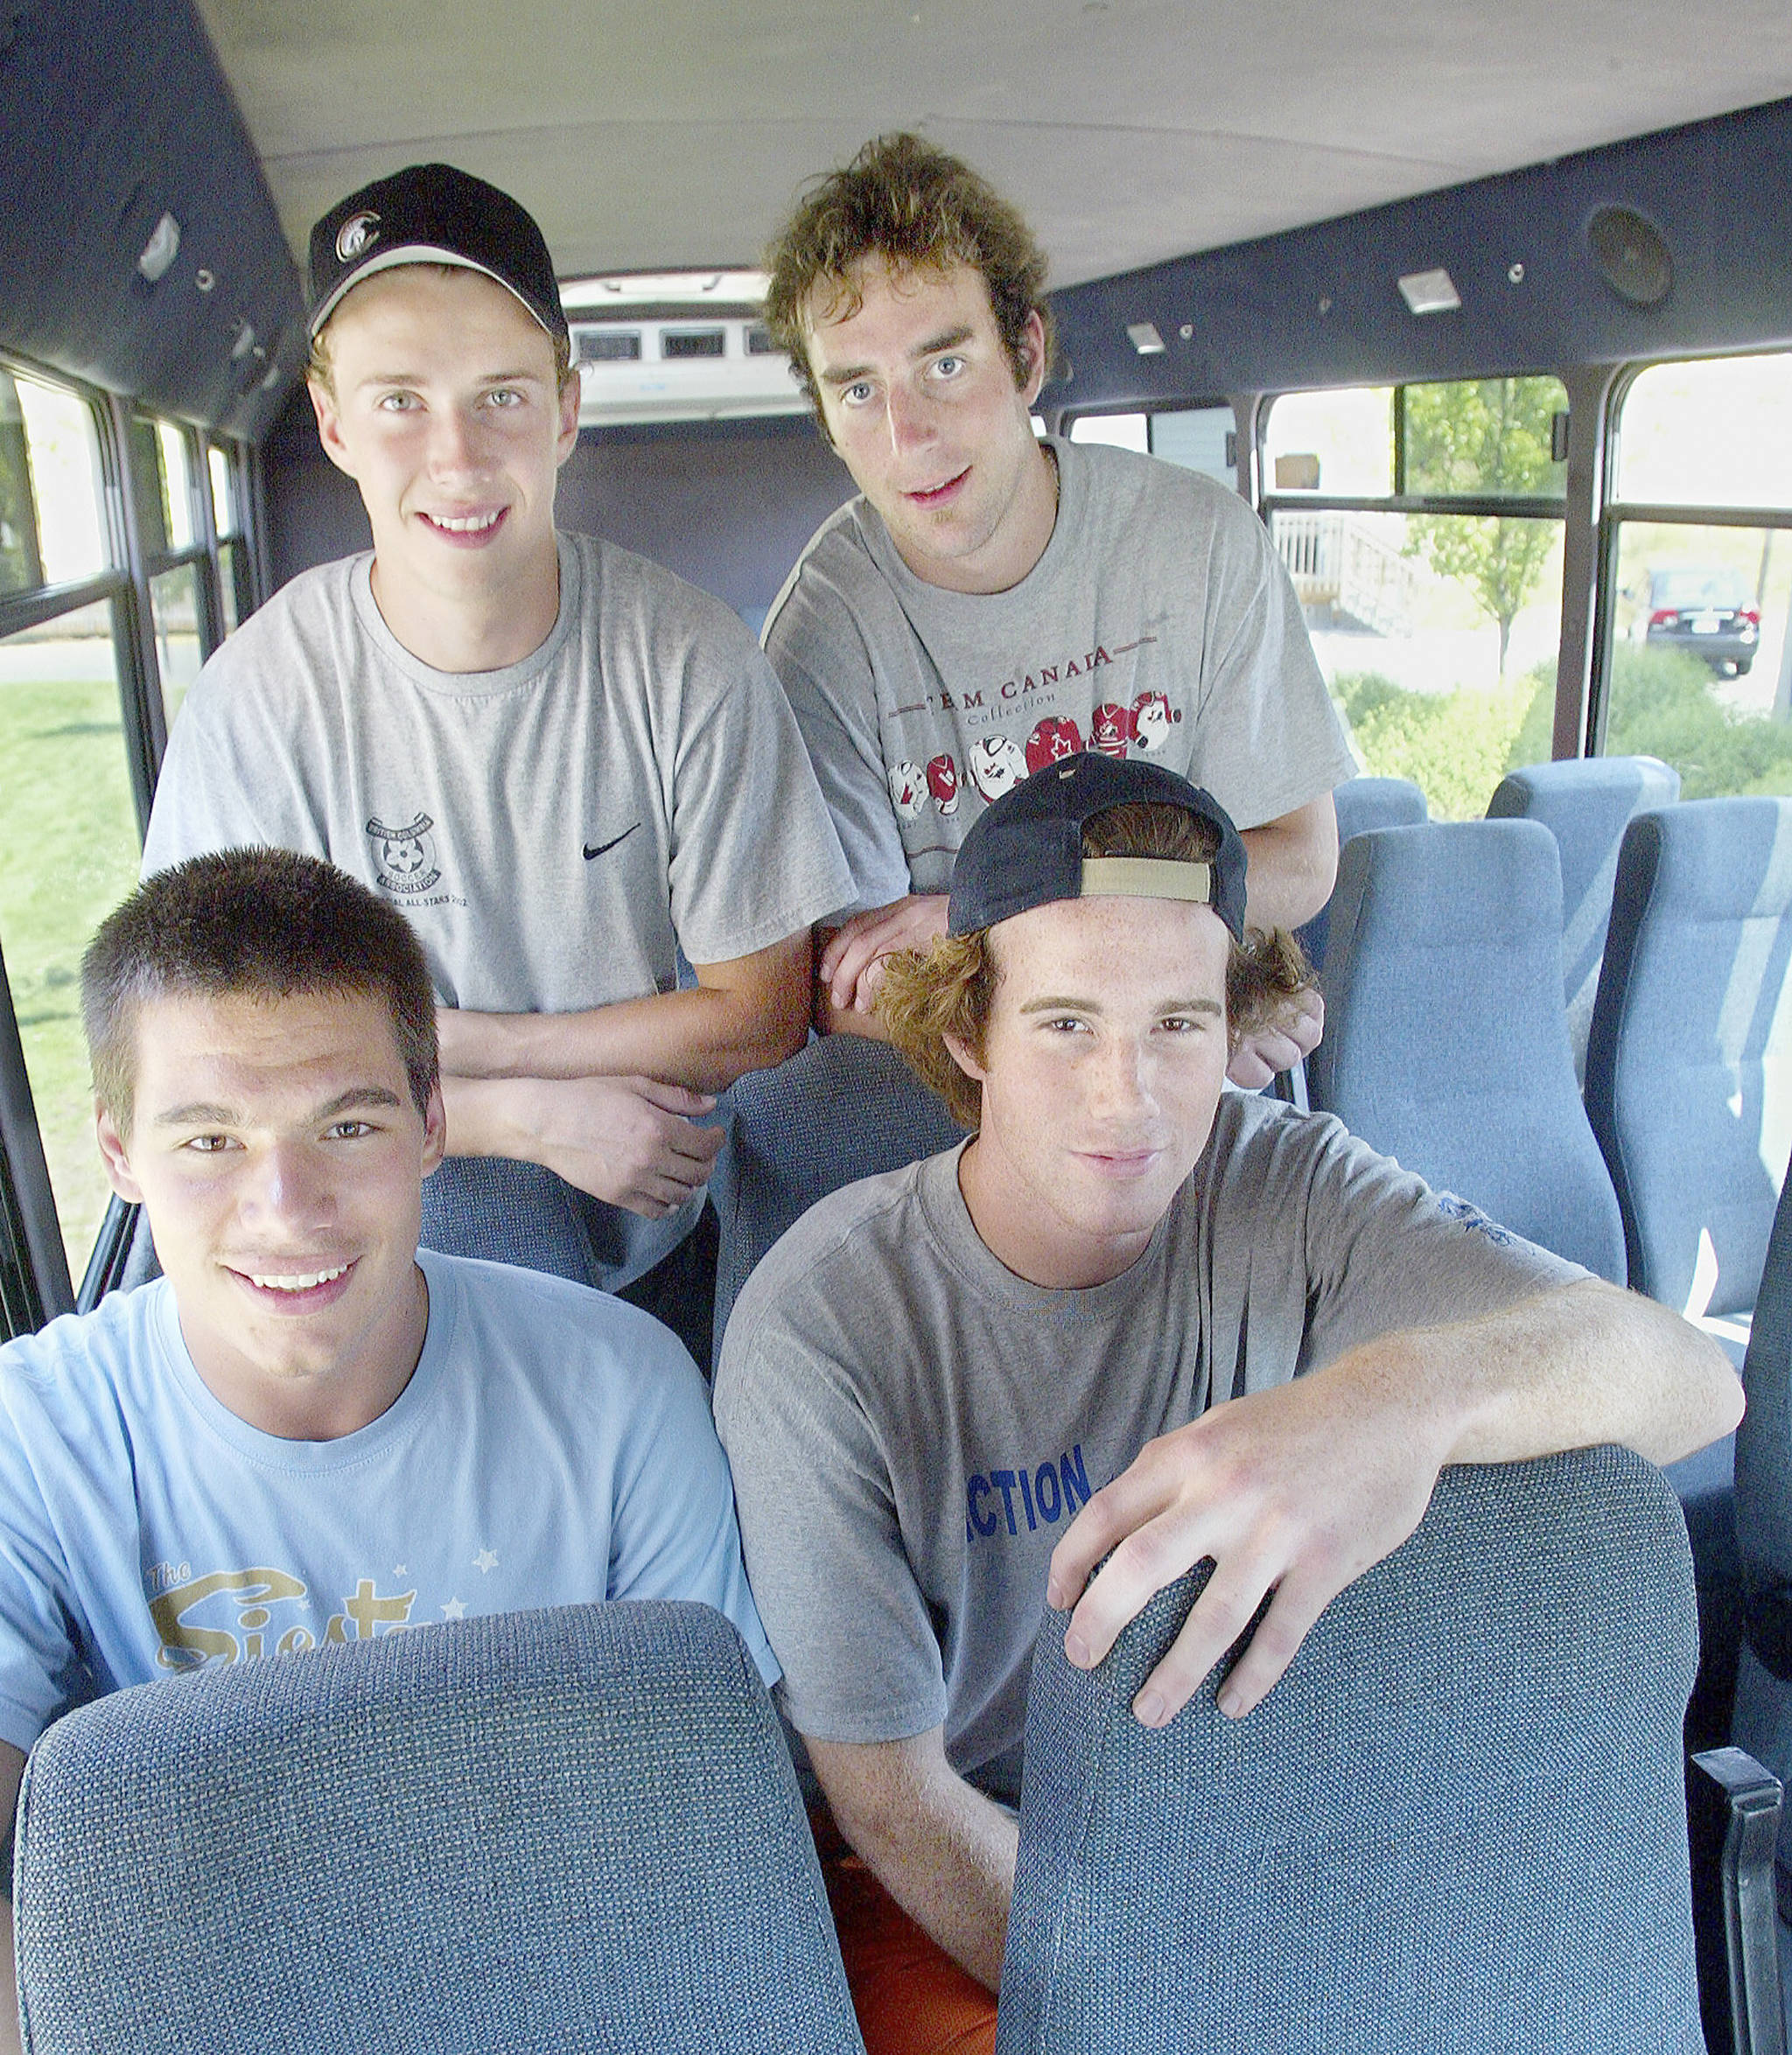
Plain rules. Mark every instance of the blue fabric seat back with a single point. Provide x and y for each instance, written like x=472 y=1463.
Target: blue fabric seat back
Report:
x=1456 y=1825
x=560 y=1830
x=1763 y=1720
x=1586 y=802
x=842 y=1108
x=1445 y=1044
x=1689 y=1066
x=1362 y=803
x=508 y=1212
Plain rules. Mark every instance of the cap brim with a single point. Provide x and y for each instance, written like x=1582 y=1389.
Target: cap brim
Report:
x=416 y=253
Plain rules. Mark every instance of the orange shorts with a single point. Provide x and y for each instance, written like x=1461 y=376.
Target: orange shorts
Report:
x=911 y=1997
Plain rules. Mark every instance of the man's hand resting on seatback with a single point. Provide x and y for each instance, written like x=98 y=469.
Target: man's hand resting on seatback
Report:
x=851 y=965
x=1279 y=1045
x=634 y=1141
x=1296 y=1491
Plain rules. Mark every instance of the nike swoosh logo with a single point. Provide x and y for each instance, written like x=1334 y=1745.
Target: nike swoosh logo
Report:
x=590 y=852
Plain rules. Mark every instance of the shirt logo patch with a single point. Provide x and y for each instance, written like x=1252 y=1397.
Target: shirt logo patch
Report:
x=590 y=852
x=404 y=859
x=353 y=236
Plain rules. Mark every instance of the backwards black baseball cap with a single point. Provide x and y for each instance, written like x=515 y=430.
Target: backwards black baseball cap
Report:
x=1025 y=849
x=433 y=215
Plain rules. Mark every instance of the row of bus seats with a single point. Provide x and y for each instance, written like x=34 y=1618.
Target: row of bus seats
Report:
x=1455 y=968
x=580 y=1829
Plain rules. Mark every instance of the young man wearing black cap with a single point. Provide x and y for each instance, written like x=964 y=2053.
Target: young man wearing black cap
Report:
x=1133 y=1304
x=561 y=761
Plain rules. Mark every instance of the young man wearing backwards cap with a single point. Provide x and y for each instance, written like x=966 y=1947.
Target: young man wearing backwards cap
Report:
x=1132 y=1304
x=561 y=761
x=993 y=601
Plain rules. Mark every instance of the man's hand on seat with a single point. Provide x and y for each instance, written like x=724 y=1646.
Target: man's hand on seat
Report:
x=632 y=1140
x=1279 y=1045
x=1295 y=1490
x=851 y=965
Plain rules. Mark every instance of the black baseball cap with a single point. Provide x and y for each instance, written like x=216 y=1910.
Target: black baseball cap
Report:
x=1025 y=849
x=433 y=215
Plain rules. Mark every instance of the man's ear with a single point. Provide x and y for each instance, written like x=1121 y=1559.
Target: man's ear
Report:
x=118 y=1170
x=329 y=426
x=434 y=1130
x=1035 y=335
x=965 y=1056
x=567 y=440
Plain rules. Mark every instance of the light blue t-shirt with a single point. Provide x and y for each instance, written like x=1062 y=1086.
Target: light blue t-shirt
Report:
x=553 y=1446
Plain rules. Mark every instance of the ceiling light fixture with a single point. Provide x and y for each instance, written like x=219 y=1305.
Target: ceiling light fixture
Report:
x=1430 y=292
x=1144 y=337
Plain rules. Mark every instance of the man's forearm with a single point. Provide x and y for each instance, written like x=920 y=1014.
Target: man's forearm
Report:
x=943 y=1850
x=1292 y=863
x=1569 y=1368
x=703 y=1038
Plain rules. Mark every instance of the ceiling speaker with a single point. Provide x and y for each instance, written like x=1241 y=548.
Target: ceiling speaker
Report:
x=1631 y=254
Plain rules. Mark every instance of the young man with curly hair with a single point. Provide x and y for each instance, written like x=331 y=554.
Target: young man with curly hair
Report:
x=993 y=602
x=1136 y=1312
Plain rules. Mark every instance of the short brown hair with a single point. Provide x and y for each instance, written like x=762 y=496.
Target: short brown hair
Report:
x=950 y=989
x=917 y=208
x=319 y=370
x=259 y=923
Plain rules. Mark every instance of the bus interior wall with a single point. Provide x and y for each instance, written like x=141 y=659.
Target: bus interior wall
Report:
x=726 y=504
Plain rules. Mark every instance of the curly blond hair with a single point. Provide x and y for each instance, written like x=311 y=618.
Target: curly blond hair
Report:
x=950 y=989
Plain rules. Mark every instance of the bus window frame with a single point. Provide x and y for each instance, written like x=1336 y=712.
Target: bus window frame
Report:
x=1614 y=511
x=35 y=1281
x=1242 y=407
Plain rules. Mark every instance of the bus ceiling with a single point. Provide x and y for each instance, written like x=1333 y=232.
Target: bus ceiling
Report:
x=155 y=185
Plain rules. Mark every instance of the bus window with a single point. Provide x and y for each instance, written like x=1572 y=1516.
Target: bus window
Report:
x=56 y=493
x=174 y=601
x=1199 y=438
x=68 y=854
x=1125 y=431
x=226 y=526
x=168 y=481
x=1422 y=528
x=1699 y=659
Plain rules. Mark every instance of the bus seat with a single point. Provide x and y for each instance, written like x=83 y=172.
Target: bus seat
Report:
x=1763 y=1716
x=1362 y=803
x=553 y=1829
x=1457 y=1823
x=1689 y=1065
x=1586 y=803
x=507 y=1212
x=842 y=1108
x=1445 y=1044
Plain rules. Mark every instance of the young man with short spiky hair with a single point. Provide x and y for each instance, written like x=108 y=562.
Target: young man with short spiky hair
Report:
x=991 y=602
x=308 y=1431
x=1135 y=1312
x=563 y=763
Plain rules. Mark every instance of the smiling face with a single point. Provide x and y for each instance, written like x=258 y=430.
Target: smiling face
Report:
x=918 y=394
x=1101 y=1070
x=443 y=407
x=276 y=1149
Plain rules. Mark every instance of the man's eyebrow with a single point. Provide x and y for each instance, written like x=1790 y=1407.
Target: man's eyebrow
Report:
x=203 y=1113
x=949 y=340
x=416 y=378
x=372 y=1095
x=1056 y=1003
x=200 y=1113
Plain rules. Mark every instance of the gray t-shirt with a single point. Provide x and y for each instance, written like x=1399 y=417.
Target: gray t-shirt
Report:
x=1159 y=622
x=912 y=1427
x=553 y=830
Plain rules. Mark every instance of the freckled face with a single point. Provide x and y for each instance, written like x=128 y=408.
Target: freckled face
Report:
x=1101 y=1069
